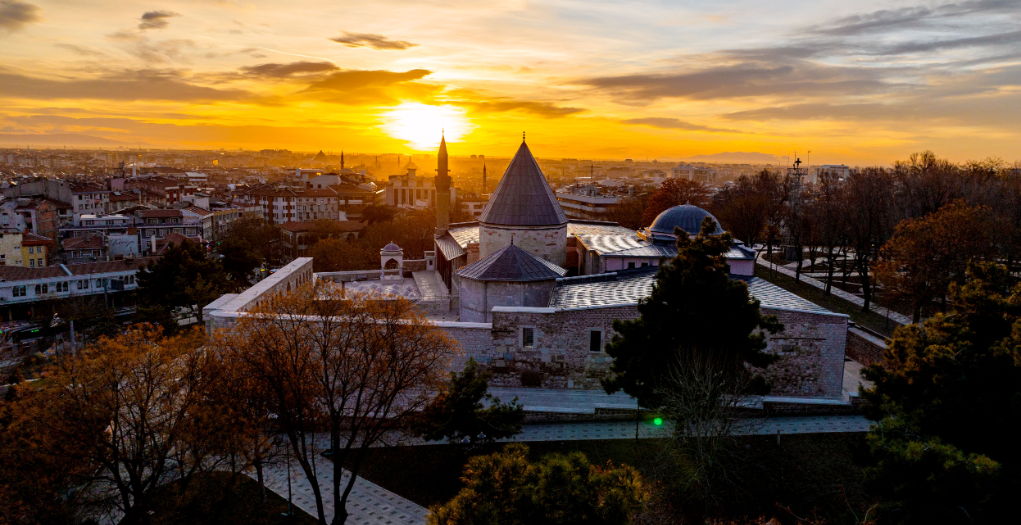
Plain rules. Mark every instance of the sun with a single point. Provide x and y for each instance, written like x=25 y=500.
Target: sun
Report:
x=420 y=125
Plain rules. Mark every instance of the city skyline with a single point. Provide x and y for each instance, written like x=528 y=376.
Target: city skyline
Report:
x=867 y=83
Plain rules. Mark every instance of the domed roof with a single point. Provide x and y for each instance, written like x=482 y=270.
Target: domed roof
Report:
x=391 y=248
x=687 y=217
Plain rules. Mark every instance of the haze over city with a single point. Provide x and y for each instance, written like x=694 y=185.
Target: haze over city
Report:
x=855 y=82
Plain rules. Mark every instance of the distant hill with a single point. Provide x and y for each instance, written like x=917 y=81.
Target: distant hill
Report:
x=58 y=139
x=739 y=157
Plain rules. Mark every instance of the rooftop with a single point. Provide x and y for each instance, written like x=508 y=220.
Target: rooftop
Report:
x=511 y=263
x=523 y=197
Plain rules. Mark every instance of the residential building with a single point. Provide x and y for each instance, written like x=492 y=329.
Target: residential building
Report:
x=89 y=199
x=87 y=248
x=299 y=237
x=20 y=285
x=24 y=249
x=412 y=191
x=157 y=224
x=280 y=206
x=38 y=215
x=585 y=202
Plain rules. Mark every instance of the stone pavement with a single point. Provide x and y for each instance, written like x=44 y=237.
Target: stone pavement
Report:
x=368 y=503
x=894 y=316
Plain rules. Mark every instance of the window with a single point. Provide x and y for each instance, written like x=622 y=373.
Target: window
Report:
x=45 y=288
x=38 y=289
x=40 y=262
x=630 y=265
x=527 y=337
x=31 y=249
x=644 y=264
x=31 y=263
x=595 y=340
x=79 y=284
x=99 y=283
x=18 y=291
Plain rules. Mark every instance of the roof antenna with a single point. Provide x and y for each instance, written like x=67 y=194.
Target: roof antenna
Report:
x=522 y=136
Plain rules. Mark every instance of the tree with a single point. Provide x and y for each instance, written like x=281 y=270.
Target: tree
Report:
x=239 y=261
x=742 y=210
x=769 y=185
x=826 y=213
x=457 y=412
x=182 y=278
x=374 y=213
x=926 y=254
x=348 y=365
x=124 y=408
x=506 y=489
x=628 y=211
x=868 y=222
x=946 y=402
x=674 y=192
x=261 y=237
x=695 y=308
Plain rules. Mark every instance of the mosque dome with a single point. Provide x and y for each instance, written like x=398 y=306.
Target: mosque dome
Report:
x=686 y=217
x=391 y=248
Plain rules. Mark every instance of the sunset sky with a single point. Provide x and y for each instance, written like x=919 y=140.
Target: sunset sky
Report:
x=855 y=82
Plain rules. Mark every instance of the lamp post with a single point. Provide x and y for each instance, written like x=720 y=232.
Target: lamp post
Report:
x=288 y=513
x=638 y=411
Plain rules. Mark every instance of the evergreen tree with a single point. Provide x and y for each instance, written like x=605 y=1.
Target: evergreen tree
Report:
x=694 y=308
x=946 y=397
x=182 y=278
x=457 y=411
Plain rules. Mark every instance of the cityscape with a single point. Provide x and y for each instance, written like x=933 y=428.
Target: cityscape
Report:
x=509 y=263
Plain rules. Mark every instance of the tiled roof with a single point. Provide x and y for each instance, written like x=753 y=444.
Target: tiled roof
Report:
x=307 y=226
x=199 y=211
x=648 y=250
x=628 y=287
x=464 y=233
x=348 y=188
x=449 y=247
x=86 y=242
x=21 y=273
x=31 y=239
x=511 y=264
x=612 y=243
x=523 y=197
x=108 y=266
x=155 y=214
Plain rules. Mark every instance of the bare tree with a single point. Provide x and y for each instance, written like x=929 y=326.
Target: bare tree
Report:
x=350 y=365
x=868 y=222
x=743 y=210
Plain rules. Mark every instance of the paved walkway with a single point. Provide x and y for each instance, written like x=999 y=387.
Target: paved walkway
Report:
x=881 y=310
x=368 y=503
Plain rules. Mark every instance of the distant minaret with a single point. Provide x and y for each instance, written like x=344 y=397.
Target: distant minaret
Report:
x=483 y=179
x=341 y=159
x=442 y=181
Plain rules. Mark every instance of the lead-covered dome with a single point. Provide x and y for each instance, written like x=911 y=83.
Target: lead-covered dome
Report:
x=686 y=217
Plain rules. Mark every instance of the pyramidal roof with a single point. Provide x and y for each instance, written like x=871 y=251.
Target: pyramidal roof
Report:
x=320 y=157
x=511 y=263
x=523 y=197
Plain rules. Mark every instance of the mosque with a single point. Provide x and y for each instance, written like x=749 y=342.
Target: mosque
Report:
x=532 y=295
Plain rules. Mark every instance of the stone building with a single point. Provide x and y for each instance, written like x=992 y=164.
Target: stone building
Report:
x=532 y=296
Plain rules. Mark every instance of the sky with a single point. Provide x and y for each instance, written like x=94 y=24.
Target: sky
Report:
x=865 y=82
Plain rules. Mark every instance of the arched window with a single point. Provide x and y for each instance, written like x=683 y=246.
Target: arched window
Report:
x=391 y=264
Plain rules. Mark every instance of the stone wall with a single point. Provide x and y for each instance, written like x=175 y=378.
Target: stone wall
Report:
x=810 y=349
x=414 y=265
x=811 y=354
x=477 y=298
x=548 y=243
x=865 y=347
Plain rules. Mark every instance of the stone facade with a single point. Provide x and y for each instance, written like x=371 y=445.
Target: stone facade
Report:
x=546 y=242
x=811 y=349
x=477 y=298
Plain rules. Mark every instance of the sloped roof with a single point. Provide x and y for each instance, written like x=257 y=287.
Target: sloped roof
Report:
x=523 y=197
x=511 y=263
x=449 y=247
x=85 y=242
x=320 y=157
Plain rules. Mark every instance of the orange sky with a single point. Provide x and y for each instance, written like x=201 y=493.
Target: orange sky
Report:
x=854 y=82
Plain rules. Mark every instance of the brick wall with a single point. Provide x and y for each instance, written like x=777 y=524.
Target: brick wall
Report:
x=477 y=298
x=811 y=354
x=547 y=243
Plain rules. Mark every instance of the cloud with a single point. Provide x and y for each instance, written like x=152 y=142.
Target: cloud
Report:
x=371 y=40
x=156 y=19
x=127 y=85
x=355 y=86
x=15 y=15
x=741 y=80
x=153 y=52
x=997 y=39
x=673 y=123
x=81 y=50
x=540 y=109
x=272 y=70
x=908 y=17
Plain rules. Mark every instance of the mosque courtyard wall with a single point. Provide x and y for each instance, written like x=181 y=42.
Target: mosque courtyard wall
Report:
x=477 y=298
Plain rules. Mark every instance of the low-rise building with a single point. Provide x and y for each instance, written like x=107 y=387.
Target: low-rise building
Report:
x=299 y=237
x=585 y=202
x=24 y=249
x=20 y=285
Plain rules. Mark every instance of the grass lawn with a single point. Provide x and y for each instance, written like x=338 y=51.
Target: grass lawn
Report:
x=808 y=474
x=832 y=303
x=222 y=499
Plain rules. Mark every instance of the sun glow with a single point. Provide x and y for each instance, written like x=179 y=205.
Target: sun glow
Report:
x=420 y=125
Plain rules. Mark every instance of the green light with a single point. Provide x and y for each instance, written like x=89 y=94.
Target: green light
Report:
x=658 y=421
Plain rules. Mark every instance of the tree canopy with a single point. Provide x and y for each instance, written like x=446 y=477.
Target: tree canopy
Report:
x=182 y=278
x=694 y=308
x=505 y=488
x=674 y=192
x=947 y=398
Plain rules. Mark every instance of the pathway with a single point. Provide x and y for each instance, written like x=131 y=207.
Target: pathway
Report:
x=881 y=310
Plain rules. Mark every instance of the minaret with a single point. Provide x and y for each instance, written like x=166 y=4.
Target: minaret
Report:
x=342 y=159
x=483 y=180
x=442 y=182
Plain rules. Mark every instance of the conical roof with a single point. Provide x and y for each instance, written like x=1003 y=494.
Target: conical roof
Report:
x=511 y=263
x=320 y=157
x=523 y=197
